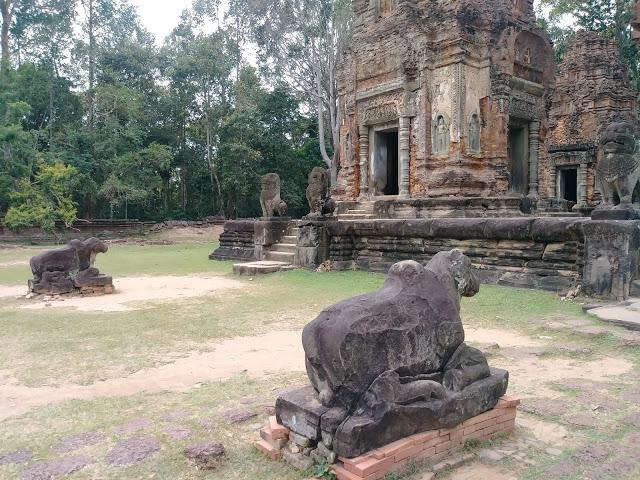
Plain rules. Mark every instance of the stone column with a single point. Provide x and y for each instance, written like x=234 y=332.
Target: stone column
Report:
x=403 y=140
x=582 y=186
x=534 y=146
x=363 y=131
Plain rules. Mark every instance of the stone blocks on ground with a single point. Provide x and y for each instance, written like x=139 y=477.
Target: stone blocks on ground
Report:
x=433 y=445
x=260 y=268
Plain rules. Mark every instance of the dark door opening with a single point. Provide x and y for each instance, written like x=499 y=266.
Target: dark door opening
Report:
x=569 y=184
x=391 y=141
x=385 y=163
x=519 y=157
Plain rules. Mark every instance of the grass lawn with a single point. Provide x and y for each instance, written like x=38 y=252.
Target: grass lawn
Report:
x=54 y=361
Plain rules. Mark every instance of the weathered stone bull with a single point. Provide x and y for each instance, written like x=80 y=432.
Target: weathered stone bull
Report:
x=65 y=269
x=393 y=363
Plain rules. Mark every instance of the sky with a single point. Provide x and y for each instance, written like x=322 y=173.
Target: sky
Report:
x=160 y=16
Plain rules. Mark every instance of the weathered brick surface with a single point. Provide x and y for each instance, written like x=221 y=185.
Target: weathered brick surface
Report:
x=459 y=60
x=435 y=445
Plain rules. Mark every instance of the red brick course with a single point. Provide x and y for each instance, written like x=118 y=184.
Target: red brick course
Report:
x=432 y=445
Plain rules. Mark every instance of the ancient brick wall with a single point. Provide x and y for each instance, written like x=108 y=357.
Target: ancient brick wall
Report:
x=443 y=65
x=544 y=253
x=592 y=90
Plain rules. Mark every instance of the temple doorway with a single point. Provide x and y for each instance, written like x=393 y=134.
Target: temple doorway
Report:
x=386 y=163
x=518 y=152
x=569 y=184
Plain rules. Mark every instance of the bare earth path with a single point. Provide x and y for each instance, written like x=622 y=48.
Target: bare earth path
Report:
x=256 y=356
x=275 y=352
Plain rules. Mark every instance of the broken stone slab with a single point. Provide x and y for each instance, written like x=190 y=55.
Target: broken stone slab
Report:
x=301 y=412
x=628 y=317
x=263 y=267
x=56 y=468
x=208 y=456
x=297 y=460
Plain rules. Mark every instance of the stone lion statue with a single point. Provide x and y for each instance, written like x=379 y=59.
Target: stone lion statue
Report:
x=393 y=363
x=618 y=167
x=320 y=203
x=270 y=201
x=65 y=269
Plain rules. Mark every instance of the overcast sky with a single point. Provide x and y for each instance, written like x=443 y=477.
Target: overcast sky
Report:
x=161 y=16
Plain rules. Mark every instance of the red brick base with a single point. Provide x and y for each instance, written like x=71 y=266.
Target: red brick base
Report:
x=431 y=445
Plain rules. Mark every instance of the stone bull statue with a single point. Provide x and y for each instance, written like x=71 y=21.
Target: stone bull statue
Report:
x=69 y=268
x=393 y=363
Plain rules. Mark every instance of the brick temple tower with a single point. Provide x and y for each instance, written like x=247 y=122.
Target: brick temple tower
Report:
x=444 y=99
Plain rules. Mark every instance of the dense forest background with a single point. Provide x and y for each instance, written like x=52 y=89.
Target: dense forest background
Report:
x=99 y=121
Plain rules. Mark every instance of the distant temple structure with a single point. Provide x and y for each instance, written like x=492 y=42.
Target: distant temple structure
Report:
x=454 y=108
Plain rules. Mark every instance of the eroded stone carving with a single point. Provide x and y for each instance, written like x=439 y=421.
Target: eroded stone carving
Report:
x=394 y=363
x=270 y=201
x=618 y=171
x=474 y=133
x=70 y=268
x=320 y=203
x=441 y=135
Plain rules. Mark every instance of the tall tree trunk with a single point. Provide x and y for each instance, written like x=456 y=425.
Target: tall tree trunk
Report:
x=320 y=113
x=92 y=65
x=6 y=8
x=51 y=107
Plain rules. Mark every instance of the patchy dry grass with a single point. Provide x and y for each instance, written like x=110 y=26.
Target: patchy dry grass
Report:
x=548 y=345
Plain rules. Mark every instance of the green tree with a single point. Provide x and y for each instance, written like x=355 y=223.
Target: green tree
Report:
x=44 y=202
x=301 y=42
x=611 y=18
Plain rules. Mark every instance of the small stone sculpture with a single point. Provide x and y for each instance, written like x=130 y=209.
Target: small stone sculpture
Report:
x=393 y=363
x=320 y=203
x=270 y=201
x=70 y=268
x=618 y=172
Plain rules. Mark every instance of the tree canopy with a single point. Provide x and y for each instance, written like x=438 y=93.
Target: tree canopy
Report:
x=97 y=120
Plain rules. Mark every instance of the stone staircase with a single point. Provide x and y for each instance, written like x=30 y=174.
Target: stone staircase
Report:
x=280 y=257
x=364 y=211
x=285 y=250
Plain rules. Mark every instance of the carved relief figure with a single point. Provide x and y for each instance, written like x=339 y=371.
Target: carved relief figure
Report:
x=618 y=167
x=441 y=138
x=474 y=133
x=270 y=201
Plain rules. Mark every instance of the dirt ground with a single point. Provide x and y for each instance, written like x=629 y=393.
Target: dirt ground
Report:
x=579 y=380
x=134 y=293
x=257 y=356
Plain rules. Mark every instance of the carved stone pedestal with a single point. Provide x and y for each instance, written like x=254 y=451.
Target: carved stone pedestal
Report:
x=313 y=242
x=612 y=249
